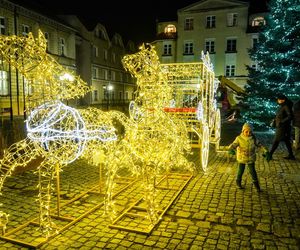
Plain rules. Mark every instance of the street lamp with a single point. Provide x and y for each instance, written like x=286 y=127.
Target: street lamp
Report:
x=108 y=89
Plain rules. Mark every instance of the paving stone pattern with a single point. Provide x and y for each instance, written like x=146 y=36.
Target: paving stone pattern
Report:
x=210 y=213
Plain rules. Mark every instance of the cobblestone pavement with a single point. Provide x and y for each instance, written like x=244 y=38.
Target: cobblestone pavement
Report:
x=210 y=213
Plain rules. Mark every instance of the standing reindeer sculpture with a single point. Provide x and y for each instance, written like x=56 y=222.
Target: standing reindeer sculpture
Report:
x=153 y=143
x=56 y=133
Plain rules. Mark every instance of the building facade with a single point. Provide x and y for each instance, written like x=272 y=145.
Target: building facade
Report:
x=19 y=21
x=226 y=29
x=86 y=51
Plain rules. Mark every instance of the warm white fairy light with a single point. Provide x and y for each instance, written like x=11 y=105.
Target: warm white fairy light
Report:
x=153 y=142
x=58 y=134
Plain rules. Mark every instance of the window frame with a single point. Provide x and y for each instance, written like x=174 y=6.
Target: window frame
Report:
x=188 y=23
x=188 y=48
x=211 y=22
x=167 y=49
x=232 y=19
x=210 y=43
x=230 y=70
x=231 y=45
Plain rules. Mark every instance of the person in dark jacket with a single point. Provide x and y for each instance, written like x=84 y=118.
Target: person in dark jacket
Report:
x=283 y=120
x=296 y=124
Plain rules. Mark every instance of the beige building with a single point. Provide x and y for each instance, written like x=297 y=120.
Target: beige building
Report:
x=83 y=49
x=224 y=28
x=17 y=20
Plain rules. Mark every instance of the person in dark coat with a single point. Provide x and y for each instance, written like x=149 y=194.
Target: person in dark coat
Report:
x=283 y=123
x=296 y=124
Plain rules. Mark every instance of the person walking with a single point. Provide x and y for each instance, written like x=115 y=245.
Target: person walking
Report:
x=296 y=124
x=283 y=132
x=245 y=146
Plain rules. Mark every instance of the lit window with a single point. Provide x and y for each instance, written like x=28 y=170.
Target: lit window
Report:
x=188 y=48
x=189 y=24
x=231 y=45
x=258 y=21
x=4 y=90
x=211 y=22
x=230 y=70
x=2 y=25
x=231 y=19
x=126 y=95
x=167 y=49
x=170 y=28
x=210 y=45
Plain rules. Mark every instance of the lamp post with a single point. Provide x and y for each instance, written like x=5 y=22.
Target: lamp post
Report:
x=105 y=93
x=109 y=89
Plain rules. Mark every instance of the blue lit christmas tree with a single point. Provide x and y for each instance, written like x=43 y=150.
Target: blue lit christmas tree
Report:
x=277 y=55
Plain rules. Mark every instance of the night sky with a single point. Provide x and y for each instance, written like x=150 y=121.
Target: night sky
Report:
x=134 y=20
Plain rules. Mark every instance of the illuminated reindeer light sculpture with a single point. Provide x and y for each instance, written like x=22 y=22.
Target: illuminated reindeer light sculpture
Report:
x=57 y=133
x=153 y=143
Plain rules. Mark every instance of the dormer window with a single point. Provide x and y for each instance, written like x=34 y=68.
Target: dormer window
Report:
x=170 y=28
x=258 y=21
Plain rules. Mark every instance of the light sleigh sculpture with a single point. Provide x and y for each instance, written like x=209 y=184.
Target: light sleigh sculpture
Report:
x=153 y=142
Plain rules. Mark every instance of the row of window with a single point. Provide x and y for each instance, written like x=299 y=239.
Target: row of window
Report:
x=232 y=21
x=25 y=29
x=110 y=95
x=188 y=46
x=211 y=21
x=105 y=74
x=105 y=54
x=4 y=84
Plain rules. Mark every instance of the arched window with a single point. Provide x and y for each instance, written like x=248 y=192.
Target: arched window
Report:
x=170 y=28
x=258 y=21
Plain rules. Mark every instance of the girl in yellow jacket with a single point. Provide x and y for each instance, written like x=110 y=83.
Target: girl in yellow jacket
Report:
x=245 y=145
